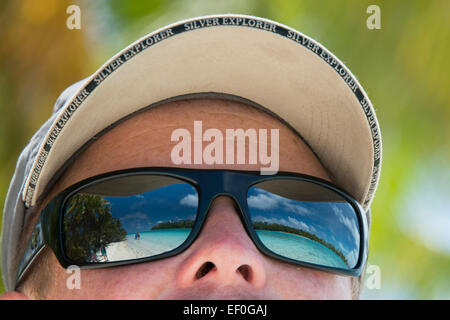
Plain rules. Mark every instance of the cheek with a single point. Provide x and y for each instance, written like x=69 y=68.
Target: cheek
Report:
x=138 y=281
x=297 y=283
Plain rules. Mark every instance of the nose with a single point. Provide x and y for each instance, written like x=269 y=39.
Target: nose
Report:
x=223 y=253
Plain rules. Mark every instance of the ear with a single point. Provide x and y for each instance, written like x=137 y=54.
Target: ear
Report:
x=13 y=295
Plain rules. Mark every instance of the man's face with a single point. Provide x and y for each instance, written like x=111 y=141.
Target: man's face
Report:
x=223 y=262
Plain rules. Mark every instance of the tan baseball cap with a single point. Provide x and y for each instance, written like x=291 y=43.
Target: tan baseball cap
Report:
x=242 y=57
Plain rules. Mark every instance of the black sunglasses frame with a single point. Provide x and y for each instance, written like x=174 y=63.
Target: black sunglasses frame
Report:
x=209 y=183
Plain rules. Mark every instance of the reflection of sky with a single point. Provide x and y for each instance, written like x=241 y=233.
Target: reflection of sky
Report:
x=141 y=212
x=319 y=218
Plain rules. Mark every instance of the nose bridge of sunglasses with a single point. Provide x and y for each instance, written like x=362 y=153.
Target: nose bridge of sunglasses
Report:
x=214 y=184
x=236 y=183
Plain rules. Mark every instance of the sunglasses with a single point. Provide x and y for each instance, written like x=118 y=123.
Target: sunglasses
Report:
x=145 y=214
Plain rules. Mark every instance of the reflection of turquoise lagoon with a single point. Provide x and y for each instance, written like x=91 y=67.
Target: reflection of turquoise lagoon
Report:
x=159 y=241
x=300 y=248
x=293 y=246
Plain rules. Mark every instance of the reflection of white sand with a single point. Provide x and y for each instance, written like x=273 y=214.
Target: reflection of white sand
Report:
x=119 y=251
x=129 y=249
x=150 y=244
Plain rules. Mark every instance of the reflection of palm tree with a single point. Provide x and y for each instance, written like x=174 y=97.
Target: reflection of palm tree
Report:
x=89 y=224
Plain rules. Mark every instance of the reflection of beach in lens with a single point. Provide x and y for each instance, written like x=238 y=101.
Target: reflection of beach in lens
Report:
x=300 y=248
x=151 y=243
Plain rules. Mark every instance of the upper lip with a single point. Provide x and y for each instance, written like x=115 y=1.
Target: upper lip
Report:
x=209 y=291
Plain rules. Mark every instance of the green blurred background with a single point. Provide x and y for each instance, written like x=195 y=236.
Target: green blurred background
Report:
x=404 y=68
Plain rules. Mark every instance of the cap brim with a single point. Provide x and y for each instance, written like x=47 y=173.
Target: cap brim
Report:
x=260 y=60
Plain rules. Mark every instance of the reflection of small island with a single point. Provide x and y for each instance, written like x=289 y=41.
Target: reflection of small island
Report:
x=174 y=224
x=259 y=225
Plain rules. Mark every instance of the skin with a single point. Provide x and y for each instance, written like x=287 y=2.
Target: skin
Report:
x=240 y=270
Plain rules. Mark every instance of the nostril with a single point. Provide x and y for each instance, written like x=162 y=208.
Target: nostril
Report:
x=245 y=271
x=204 y=269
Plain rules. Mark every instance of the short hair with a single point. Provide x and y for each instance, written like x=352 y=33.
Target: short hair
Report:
x=38 y=278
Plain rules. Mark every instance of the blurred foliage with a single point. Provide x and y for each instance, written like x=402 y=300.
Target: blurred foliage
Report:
x=403 y=67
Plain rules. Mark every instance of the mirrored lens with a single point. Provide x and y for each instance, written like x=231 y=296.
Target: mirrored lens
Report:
x=306 y=222
x=128 y=218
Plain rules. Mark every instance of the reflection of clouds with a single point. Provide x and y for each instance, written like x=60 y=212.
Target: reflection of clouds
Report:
x=191 y=200
x=271 y=220
x=137 y=220
x=262 y=201
x=353 y=228
x=350 y=224
x=351 y=256
x=292 y=205
x=301 y=225
x=265 y=200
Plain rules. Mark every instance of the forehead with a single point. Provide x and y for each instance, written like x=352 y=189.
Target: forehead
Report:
x=144 y=140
